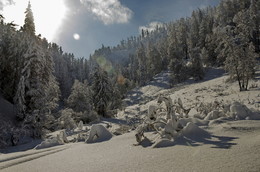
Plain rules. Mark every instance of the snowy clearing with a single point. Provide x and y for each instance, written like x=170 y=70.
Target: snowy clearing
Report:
x=207 y=143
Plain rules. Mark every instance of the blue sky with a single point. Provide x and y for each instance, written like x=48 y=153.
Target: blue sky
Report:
x=81 y=26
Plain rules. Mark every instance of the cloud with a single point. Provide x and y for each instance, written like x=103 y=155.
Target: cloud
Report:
x=151 y=26
x=4 y=3
x=108 y=11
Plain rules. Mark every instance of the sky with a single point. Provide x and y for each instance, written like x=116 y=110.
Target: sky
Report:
x=81 y=26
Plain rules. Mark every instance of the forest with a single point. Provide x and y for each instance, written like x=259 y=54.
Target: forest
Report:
x=47 y=85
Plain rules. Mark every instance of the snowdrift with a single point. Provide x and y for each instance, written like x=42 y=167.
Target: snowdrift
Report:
x=98 y=133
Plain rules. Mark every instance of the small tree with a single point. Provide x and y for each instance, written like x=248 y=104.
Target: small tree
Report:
x=241 y=60
x=178 y=71
x=197 y=70
x=80 y=97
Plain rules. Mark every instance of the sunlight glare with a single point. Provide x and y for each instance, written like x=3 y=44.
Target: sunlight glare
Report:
x=48 y=15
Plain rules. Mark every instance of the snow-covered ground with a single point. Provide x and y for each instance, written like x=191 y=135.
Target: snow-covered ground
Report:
x=219 y=145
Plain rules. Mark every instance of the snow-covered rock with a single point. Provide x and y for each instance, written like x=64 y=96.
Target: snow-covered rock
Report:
x=98 y=133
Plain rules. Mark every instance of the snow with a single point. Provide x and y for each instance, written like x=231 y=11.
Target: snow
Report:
x=230 y=150
x=220 y=142
x=49 y=143
x=98 y=133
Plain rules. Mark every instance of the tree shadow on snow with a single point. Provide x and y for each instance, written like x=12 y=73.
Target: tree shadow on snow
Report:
x=221 y=142
x=213 y=73
x=22 y=147
x=133 y=97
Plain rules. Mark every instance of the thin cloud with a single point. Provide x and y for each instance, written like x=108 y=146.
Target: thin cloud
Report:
x=151 y=27
x=108 y=11
x=4 y=3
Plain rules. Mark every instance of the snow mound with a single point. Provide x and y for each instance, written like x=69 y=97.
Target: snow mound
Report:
x=55 y=141
x=240 y=111
x=191 y=130
x=49 y=143
x=98 y=133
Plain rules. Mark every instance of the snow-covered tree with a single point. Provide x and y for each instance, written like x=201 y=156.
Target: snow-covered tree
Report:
x=80 y=97
x=142 y=63
x=37 y=91
x=176 y=55
x=102 y=91
x=240 y=63
x=241 y=58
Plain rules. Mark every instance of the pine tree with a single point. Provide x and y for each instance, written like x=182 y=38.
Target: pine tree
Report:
x=255 y=17
x=102 y=91
x=29 y=26
x=182 y=36
x=37 y=91
x=194 y=30
x=196 y=67
x=9 y=59
x=204 y=56
x=154 y=61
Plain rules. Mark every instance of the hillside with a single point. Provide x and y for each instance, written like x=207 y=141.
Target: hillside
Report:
x=221 y=145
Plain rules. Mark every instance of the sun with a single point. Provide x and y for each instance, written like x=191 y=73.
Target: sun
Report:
x=76 y=36
x=48 y=15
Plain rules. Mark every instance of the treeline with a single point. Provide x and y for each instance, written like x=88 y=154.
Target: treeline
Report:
x=210 y=37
